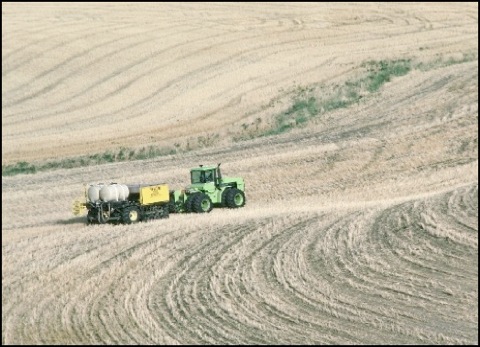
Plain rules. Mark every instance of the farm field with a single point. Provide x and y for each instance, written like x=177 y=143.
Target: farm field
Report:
x=355 y=127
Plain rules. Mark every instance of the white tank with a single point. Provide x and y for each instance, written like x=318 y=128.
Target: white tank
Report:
x=123 y=192
x=93 y=192
x=114 y=192
x=109 y=193
x=127 y=192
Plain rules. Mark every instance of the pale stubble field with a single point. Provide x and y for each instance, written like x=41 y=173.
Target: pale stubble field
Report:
x=361 y=222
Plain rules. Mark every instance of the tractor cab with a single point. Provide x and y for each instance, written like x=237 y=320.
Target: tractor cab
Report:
x=205 y=174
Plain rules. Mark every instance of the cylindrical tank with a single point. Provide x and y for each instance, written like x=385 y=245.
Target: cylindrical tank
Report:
x=93 y=192
x=114 y=192
x=127 y=192
x=134 y=188
x=123 y=192
x=109 y=193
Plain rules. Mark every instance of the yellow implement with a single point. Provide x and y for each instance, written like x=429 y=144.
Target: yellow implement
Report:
x=154 y=194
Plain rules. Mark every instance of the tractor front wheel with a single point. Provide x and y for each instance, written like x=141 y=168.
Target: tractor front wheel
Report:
x=202 y=204
x=235 y=198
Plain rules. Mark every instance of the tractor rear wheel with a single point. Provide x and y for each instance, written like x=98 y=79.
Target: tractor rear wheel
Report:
x=202 y=203
x=189 y=202
x=131 y=215
x=235 y=198
x=223 y=203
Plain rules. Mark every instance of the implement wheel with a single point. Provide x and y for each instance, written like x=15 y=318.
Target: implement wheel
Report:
x=131 y=215
x=92 y=216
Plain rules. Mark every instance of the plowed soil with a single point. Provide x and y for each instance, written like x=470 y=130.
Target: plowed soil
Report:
x=361 y=224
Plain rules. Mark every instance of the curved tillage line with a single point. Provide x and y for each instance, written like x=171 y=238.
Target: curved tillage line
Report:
x=149 y=72
x=256 y=325
x=365 y=281
x=91 y=311
x=421 y=228
x=306 y=285
x=432 y=269
x=409 y=96
x=405 y=285
x=141 y=112
x=196 y=84
x=462 y=207
x=301 y=319
x=220 y=287
x=347 y=277
x=136 y=300
x=175 y=295
x=109 y=308
x=37 y=315
x=326 y=275
x=105 y=311
x=124 y=69
x=138 y=114
x=131 y=289
x=53 y=291
x=64 y=43
x=195 y=304
x=51 y=86
x=245 y=292
x=31 y=23
x=41 y=35
x=44 y=251
x=58 y=82
x=130 y=83
x=60 y=296
x=355 y=268
x=228 y=326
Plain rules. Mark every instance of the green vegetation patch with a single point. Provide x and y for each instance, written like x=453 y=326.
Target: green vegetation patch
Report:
x=297 y=114
x=18 y=168
x=442 y=61
x=312 y=102
x=381 y=72
x=307 y=103
x=123 y=154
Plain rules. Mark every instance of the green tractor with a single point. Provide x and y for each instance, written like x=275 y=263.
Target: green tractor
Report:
x=208 y=189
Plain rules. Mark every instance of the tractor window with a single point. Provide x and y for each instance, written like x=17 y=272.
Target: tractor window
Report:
x=209 y=176
x=202 y=176
x=197 y=176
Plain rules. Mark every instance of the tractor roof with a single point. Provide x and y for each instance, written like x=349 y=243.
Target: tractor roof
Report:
x=204 y=167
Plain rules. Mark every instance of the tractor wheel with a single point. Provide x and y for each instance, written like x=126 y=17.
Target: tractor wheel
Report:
x=235 y=198
x=202 y=203
x=189 y=202
x=223 y=203
x=175 y=207
x=131 y=215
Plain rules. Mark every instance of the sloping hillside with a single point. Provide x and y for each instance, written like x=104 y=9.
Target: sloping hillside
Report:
x=355 y=127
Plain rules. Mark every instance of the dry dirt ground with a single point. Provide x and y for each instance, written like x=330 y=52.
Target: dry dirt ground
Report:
x=361 y=224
